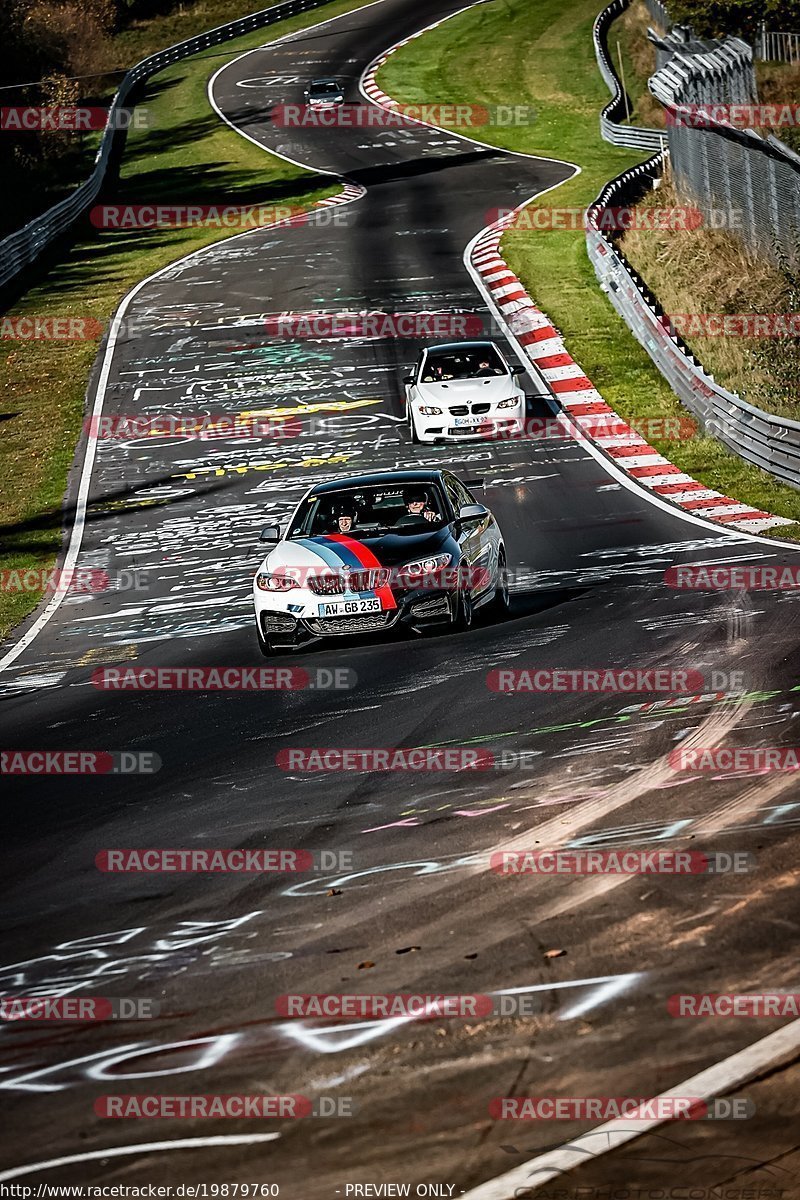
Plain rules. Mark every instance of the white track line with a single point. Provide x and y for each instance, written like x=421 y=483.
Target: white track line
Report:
x=607 y=464
x=199 y=1143
x=288 y=37
x=76 y=534
x=715 y=1081
x=79 y=523
x=378 y=62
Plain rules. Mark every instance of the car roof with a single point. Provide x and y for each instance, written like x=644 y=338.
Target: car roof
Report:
x=387 y=478
x=324 y=79
x=450 y=347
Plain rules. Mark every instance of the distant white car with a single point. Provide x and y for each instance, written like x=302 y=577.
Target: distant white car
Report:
x=463 y=390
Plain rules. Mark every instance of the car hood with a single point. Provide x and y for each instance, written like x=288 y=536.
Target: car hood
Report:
x=391 y=550
x=467 y=391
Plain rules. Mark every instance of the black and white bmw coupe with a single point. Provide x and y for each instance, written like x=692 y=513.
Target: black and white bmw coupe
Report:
x=361 y=555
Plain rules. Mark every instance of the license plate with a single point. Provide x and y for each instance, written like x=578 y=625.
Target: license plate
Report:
x=349 y=608
x=468 y=420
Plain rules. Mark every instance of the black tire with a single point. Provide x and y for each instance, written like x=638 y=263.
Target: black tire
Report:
x=501 y=604
x=464 y=614
x=413 y=428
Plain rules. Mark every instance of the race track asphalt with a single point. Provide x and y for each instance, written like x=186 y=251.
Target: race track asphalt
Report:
x=418 y=910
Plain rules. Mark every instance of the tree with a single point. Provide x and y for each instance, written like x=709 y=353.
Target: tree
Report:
x=715 y=18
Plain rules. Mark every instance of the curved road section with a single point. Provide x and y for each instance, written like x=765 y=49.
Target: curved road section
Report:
x=399 y=891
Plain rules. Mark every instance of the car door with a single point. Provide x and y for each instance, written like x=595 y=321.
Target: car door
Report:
x=474 y=538
x=411 y=382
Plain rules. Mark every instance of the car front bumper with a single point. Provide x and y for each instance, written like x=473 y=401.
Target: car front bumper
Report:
x=417 y=610
x=496 y=424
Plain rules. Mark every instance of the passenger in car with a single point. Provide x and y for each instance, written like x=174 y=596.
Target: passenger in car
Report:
x=344 y=518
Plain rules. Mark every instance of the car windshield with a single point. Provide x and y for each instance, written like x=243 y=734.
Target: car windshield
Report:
x=371 y=511
x=475 y=363
x=325 y=86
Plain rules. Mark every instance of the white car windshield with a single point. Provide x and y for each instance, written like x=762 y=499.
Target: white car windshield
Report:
x=480 y=363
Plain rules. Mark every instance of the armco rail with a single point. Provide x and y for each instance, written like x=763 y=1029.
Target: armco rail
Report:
x=23 y=247
x=618 y=135
x=767 y=441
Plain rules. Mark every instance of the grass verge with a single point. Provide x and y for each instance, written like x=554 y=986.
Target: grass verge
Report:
x=43 y=382
x=34 y=183
x=628 y=36
x=779 y=83
x=712 y=271
x=507 y=52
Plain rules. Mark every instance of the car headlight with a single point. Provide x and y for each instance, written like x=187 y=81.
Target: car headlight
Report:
x=428 y=411
x=510 y=403
x=425 y=566
x=275 y=583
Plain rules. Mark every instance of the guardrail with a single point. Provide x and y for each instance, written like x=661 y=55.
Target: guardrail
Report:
x=23 y=247
x=765 y=440
x=631 y=136
x=755 y=178
x=659 y=13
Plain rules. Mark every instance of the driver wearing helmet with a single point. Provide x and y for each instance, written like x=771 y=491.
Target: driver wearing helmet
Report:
x=418 y=507
x=344 y=517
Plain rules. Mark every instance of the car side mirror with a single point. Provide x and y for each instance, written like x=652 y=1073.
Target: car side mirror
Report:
x=518 y=370
x=409 y=379
x=270 y=533
x=472 y=512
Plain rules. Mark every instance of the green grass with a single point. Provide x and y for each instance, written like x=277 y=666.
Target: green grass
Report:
x=510 y=52
x=33 y=185
x=44 y=382
x=628 y=35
